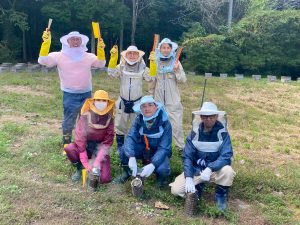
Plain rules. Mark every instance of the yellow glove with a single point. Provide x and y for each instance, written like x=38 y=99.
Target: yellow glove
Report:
x=45 y=48
x=153 y=66
x=113 y=57
x=100 y=49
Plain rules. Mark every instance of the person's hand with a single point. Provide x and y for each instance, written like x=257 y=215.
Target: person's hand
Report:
x=114 y=50
x=113 y=57
x=147 y=170
x=189 y=185
x=176 y=66
x=205 y=175
x=46 y=36
x=88 y=168
x=133 y=165
x=152 y=56
x=100 y=43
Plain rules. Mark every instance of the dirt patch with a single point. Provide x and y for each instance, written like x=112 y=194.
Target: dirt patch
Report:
x=38 y=91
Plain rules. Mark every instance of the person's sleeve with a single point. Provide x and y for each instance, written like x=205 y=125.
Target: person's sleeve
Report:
x=115 y=72
x=105 y=144
x=189 y=156
x=96 y=63
x=81 y=134
x=132 y=139
x=180 y=74
x=49 y=60
x=226 y=154
x=164 y=148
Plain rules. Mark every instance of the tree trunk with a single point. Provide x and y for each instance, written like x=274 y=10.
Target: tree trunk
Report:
x=24 y=47
x=93 y=47
x=135 y=4
x=122 y=32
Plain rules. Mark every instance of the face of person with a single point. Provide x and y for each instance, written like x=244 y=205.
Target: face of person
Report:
x=74 y=42
x=132 y=56
x=100 y=104
x=209 y=121
x=148 y=109
x=165 y=49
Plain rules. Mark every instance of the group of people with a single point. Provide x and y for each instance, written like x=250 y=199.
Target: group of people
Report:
x=144 y=125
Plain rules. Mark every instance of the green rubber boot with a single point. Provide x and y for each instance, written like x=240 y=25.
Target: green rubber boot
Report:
x=124 y=176
x=76 y=177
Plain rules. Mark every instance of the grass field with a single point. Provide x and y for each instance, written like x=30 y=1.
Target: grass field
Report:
x=35 y=186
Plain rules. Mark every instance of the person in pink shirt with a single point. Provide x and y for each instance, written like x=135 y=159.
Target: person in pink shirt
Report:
x=74 y=69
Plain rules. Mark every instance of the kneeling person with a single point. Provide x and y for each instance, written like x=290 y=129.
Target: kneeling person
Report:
x=207 y=157
x=149 y=139
x=94 y=135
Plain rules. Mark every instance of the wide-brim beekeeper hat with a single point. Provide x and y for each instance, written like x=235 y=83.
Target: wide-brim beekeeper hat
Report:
x=98 y=95
x=208 y=109
x=84 y=39
x=133 y=48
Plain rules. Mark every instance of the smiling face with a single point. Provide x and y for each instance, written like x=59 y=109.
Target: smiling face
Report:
x=165 y=49
x=74 y=42
x=132 y=56
x=148 y=109
x=209 y=121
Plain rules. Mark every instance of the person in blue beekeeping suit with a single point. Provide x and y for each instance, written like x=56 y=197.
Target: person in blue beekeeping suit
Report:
x=149 y=139
x=207 y=156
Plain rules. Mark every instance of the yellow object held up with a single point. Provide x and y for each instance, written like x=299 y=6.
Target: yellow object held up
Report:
x=153 y=66
x=96 y=29
x=83 y=175
x=100 y=49
x=45 y=48
x=113 y=57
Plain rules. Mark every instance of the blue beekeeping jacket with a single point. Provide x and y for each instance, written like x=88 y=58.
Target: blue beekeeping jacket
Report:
x=159 y=136
x=214 y=149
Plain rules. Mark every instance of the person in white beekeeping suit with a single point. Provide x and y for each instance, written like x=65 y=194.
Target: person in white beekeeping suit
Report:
x=168 y=73
x=131 y=71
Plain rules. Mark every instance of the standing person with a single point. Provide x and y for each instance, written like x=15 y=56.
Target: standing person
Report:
x=207 y=157
x=131 y=71
x=149 y=139
x=94 y=135
x=167 y=73
x=74 y=69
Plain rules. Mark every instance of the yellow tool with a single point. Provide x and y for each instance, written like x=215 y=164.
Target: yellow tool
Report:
x=83 y=173
x=96 y=29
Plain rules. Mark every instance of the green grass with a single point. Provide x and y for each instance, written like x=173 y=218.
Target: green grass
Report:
x=35 y=178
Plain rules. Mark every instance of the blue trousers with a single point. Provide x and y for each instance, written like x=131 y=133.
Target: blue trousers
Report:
x=72 y=103
x=162 y=170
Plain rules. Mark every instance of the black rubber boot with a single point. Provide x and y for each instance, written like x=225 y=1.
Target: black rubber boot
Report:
x=124 y=176
x=200 y=188
x=76 y=177
x=221 y=197
x=67 y=138
x=120 y=141
x=161 y=181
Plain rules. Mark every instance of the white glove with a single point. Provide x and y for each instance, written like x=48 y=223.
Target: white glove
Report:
x=205 y=175
x=147 y=170
x=132 y=165
x=189 y=185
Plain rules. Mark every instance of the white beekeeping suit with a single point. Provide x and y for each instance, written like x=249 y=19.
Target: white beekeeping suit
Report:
x=131 y=75
x=166 y=90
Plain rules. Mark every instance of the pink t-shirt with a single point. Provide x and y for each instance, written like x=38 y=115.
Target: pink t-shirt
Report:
x=75 y=76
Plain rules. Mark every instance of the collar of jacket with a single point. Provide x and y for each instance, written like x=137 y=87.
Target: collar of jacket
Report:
x=155 y=130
